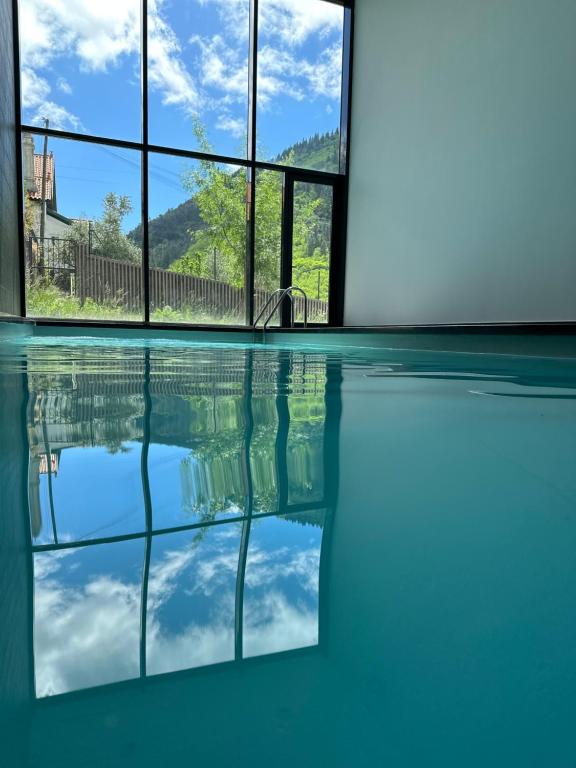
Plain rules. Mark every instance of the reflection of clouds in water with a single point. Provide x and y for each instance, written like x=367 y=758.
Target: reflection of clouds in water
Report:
x=276 y=618
x=273 y=623
x=264 y=567
x=197 y=645
x=88 y=634
x=84 y=635
x=208 y=568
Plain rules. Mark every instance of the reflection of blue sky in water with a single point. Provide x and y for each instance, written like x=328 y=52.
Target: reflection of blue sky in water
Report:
x=191 y=598
x=87 y=602
x=182 y=492
x=204 y=467
x=281 y=586
x=96 y=494
x=87 y=616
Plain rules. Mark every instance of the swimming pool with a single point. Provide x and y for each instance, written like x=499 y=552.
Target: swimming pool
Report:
x=246 y=554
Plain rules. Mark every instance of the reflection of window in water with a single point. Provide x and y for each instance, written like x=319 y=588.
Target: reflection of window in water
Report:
x=185 y=523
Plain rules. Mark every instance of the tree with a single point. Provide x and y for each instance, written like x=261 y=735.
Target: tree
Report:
x=105 y=235
x=218 y=247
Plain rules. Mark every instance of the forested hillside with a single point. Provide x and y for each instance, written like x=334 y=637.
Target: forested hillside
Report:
x=171 y=233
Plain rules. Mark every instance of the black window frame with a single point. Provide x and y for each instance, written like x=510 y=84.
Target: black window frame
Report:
x=338 y=181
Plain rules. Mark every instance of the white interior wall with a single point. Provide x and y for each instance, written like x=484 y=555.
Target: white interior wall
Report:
x=463 y=162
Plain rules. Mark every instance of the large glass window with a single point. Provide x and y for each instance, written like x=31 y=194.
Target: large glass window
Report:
x=157 y=150
x=80 y=66
x=197 y=236
x=82 y=236
x=198 y=75
x=300 y=82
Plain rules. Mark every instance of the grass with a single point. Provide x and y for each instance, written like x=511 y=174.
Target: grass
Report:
x=44 y=299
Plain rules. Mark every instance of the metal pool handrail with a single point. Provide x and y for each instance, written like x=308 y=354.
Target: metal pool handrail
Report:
x=282 y=295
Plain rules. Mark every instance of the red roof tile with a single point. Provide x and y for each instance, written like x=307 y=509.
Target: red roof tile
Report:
x=38 y=164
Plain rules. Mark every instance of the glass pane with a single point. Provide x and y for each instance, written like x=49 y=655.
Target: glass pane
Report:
x=281 y=587
x=84 y=506
x=263 y=443
x=198 y=75
x=305 y=449
x=76 y=439
x=87 y=616
x=311 y=246
x=197 y=241
x=80 y=66
x=191 y=590
x=300 y=82
x=82 y=208
x=268 y=241
x=196 y=457
x=84 y=424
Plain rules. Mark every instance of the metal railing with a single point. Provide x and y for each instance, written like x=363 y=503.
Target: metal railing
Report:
x=282 y=293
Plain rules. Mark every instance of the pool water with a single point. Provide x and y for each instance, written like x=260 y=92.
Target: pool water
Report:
x=247 y=555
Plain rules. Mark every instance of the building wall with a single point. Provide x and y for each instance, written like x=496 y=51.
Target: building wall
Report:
x=9 y=259
x=463 y=162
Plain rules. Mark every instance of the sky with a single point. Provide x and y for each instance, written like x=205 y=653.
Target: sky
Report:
x=80 y=68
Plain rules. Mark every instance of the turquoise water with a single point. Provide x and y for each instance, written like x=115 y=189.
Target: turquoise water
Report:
x=244 y=555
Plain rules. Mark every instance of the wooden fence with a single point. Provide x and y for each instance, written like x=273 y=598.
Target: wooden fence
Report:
x=120 y=283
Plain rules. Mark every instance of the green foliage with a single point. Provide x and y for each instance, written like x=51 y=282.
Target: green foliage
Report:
x=105 y=235
x=44 y=299
x=196 y=313
x=220 y=196
x=212 y=479
x=268 y=226
x=320 y=152
x=169 y=233
x=206 y=235
x=311 y=242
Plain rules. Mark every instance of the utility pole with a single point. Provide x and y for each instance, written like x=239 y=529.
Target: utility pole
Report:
x=43 y=192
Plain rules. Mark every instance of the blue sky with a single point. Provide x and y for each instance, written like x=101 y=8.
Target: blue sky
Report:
x=81 y=69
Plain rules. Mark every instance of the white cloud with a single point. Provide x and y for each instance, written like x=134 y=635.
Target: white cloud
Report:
x=325 y=75
x=277 y=74
x=295 y=21
x=36 y=98
x=234 y=13
x=234 y=126
x=167 y=73
x=97 y=33
x=35 y=89
x=100 y=35
x=64 y=86
x=222 y=66
x=292 y=21
x=283 y=72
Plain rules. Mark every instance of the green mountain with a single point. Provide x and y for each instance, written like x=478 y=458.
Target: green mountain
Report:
x=319 y=152
x=169 y=233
